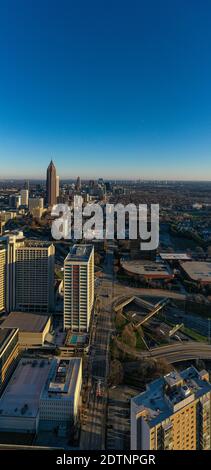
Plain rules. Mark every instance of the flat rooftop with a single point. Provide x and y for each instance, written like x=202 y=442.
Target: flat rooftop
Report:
x=146 y=268
x=167 y=394
x=62 y=379
x=34 y=243
x=175 y=256
x=5 y=335
x=26 y=322
x=79 y=253
x=198 y=270
x=22 y=394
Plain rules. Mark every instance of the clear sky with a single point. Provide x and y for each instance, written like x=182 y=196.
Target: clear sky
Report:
x=111 y=88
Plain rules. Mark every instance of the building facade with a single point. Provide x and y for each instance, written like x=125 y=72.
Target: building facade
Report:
x=78 y=288
x=173 y=413
x=9 y=350
x=2 y=278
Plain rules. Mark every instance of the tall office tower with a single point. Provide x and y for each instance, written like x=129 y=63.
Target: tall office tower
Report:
x=57 y=187
x=2 y=278
x=29 y=274
x=78 y=288
x=51 y=184
x=9 y=351
x=78 y=184
x=11 y=241
x=24 y=197
x=173 y=413
x=34 y=273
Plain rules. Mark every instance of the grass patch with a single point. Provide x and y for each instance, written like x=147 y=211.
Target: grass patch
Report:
x=193 y=334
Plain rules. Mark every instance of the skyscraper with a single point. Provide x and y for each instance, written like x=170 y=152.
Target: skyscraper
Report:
x=78 y=287
x=173 y=413
x=51 y=184
x=29 y=273
x=78 y=184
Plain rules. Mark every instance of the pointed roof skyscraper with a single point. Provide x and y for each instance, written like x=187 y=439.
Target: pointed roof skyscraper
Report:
x=51 y=184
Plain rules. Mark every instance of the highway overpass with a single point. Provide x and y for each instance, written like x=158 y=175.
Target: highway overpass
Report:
x=176 y=352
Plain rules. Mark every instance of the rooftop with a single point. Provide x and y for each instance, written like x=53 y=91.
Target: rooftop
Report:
x=62 y=378
x=170 y=393
x=198 y=270
x=30 y=243
x=5 y=335
x=22 y=394
x=175 y=256
x=79 y=253
x=25 y=321
x=146 y=268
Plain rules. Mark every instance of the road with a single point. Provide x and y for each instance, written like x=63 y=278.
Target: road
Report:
x=93 y=433
x=172 y=353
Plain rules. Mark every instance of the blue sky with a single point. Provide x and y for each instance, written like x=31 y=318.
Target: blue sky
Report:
x=111 y=88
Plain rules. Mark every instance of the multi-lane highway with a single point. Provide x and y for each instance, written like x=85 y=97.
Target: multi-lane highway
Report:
x=172 y=353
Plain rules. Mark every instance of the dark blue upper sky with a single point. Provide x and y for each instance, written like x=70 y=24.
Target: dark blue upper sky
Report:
x=112 y=88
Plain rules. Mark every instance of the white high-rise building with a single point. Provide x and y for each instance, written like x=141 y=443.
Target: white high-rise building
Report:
x=78 y=288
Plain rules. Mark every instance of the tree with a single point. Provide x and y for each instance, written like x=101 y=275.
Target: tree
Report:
x=116 y=373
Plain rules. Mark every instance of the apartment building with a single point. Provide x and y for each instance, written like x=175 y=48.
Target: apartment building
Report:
x=78 y=288
x=173 y=413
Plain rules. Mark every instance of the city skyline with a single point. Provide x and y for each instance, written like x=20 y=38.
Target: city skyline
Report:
x=116 y=90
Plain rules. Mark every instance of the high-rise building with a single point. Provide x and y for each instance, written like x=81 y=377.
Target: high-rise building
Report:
x=29 y=274
x=35 y=203
x=78 y=287
x=78 y=184
x=11 y=241
x=2 y=277
x=51 y=184
x=15 y=201
x=9 y=351
x=34 y=272
x=57 y=187
x=24 y=197
x=173 y=413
